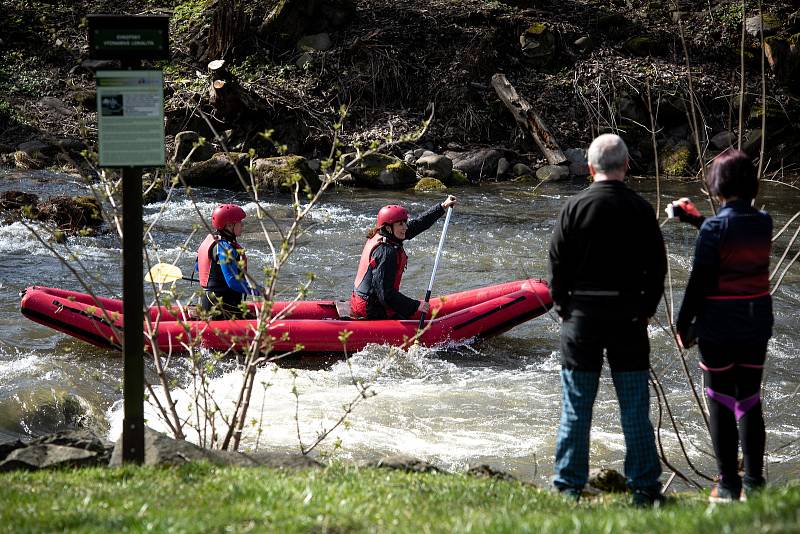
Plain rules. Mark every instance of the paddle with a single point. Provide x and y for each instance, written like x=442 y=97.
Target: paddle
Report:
x=164 y=273
x=436 y=264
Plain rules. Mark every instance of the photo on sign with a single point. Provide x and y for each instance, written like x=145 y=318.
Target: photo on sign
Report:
x=111 y=105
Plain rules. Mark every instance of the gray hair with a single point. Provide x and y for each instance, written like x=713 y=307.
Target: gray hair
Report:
x=608 y=152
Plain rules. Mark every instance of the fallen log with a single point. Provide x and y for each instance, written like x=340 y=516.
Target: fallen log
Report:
x=528 y=119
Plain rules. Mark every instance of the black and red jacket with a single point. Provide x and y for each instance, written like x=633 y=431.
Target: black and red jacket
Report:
x=728 y=289
x=376 y=289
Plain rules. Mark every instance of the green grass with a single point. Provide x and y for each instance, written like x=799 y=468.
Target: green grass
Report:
x=202 y=498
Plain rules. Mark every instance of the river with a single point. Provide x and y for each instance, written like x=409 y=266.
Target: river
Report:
x=495 y=402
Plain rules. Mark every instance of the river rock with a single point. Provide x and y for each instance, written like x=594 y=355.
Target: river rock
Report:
x=487 y=471
x=162 y=450
x=404 y=463
x=381 y=171
x=429 y=184
x=16 y=200
x=222 y=170
x=552 y=173
x=503 y=169
x=283 y=172
x=188 y=140
x=607 y=480
x=676 y=160
x=456 y=179
x=72 y=214
x=578 y=170
x=36 y=457
x=576 y=155
x=478 y=164
x=770 y=22
x=520 y=169
x=435 y=166
x=723 y=139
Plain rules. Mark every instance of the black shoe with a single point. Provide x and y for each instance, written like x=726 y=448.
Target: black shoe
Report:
x=570 y=494
x=749 y=489
x=723 y=494
x=647 y=498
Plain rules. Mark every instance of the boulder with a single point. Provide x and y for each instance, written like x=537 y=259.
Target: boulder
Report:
x=552 y=173
x=723 y=139
x=222 y=170
x=404 y=463
x=318 y=41
x=456 y=179
x=72 y=214
x=607 y=480
x=676 y=160
x=538 y=44
x=188 y=140
x=487 y=471
x=642 y=45
x=17 y=200
x=162 y=450
x=520 y=169
x=578 y=170
x=283 y=172
x=435 y=166
x=477 y=165
x=381 y=171
x=34 y=457
x=429 y=184
x=584 y=43
x=8 y=447
x=503 y=169
x=770 y=22
x=576 y=155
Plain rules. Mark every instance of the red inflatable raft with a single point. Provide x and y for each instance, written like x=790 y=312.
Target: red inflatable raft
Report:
x=316 y=325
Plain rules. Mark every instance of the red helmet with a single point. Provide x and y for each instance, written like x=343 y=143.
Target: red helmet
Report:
x=392 y=214
x=226 y=214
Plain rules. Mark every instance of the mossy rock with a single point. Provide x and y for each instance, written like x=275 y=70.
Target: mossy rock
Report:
x=538 y=44
x=284 y=173
x=72 y=214
x=153 y=190
x=457 y=179
x=429 y=184
x=775 y=115
x=382 y=171
x=677 y=160
x=223 y=170
x=641 y=45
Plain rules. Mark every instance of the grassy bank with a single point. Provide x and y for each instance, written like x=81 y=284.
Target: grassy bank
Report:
x=202 y=498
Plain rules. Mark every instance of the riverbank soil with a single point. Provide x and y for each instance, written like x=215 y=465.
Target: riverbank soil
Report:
x=348 y=499
x=585 y=66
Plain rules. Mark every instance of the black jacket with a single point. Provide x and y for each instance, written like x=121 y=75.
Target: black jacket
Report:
x=607 y=254
x=381 y=278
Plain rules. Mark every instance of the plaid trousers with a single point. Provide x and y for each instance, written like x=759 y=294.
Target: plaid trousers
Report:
x=579 y=389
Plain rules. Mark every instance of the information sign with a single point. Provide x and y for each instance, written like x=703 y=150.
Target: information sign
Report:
x=128 y=37
x=130 y=118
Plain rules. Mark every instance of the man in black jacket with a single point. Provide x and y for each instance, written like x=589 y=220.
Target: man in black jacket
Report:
x=608 y=262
